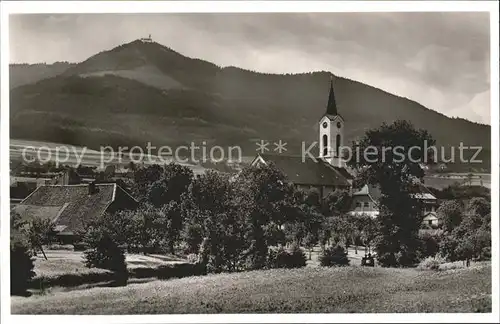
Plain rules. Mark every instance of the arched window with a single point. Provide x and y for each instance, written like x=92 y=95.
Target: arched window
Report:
x=325 y=145
x=337 y=144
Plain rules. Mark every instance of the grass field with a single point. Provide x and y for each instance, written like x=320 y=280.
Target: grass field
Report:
x=60 y=262
x=310 y=289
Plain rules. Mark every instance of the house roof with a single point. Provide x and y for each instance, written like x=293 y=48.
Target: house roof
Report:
x=69 y=206
x=430 y=216
x=308 y=171
x=420 y=192
x=373 y=191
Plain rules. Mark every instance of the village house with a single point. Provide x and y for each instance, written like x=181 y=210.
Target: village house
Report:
x=70 y=207
x=365 y=202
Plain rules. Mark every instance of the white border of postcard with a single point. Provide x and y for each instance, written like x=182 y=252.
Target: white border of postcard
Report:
x=242 y=6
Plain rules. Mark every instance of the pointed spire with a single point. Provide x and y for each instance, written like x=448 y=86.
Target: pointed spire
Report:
x=331 y=109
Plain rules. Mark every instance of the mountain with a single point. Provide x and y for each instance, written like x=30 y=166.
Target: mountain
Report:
x=144 y=92
x=21 y=74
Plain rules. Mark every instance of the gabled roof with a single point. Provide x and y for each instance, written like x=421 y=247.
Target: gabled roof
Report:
x=420 y=192
x=369 y=190
x=316 y=172
x=430 y=216
x=69 y=206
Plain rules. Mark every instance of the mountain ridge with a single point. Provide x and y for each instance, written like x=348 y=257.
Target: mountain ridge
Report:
x=198 y=97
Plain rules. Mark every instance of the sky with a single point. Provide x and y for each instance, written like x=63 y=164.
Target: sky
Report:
x=441 y=60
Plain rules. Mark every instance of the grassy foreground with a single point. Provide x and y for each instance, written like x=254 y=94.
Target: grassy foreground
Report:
x=317 y=290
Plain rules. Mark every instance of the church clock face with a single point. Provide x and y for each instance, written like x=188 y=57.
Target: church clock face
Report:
x=339 y=125
x=325 y=124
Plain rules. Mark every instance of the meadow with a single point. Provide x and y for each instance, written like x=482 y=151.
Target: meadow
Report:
x=350 y=289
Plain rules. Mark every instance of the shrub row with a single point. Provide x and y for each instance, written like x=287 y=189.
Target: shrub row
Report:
x=72 y=280
x=174 y=270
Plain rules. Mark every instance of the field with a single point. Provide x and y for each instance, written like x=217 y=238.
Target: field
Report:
x=310 y=289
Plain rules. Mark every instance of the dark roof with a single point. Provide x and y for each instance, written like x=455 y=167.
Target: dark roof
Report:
x=308 y=172
x=69 y=206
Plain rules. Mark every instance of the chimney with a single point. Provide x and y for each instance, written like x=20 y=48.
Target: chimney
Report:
x=92 y=188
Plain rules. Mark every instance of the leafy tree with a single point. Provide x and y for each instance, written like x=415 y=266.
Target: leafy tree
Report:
x=193 y=237
x=309 y=242
x=213 y=222
x=480 y=206
x=144 y=177
x=21 y=261
x=429 y=245
x=451 y=213
x=104 y=253
x=380 y=162
x=168 y=225
x=337 y=203
x=368 y=227
x=170 y=187
x=263 y=195
x=38 y=231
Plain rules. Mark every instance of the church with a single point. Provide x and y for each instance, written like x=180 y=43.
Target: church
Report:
x=329 y=171
x=326 y=173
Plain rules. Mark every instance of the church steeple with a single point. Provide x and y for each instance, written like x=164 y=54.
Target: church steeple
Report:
x=331 y=108
x=331 y=132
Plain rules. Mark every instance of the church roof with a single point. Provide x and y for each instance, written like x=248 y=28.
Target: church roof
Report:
x=314 y=172
x=331 y=108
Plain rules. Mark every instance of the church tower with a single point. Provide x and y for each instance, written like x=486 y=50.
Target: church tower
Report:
x=331 y=132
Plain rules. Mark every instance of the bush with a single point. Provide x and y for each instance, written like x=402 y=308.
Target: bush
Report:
x=174 y=270
x=334 y=256
x=73 y=279
x=293 y=257
x=80 y=246
x=429 y=245
x=104 y=253
x=431 y=263
x=60 y=247
x=21 y=267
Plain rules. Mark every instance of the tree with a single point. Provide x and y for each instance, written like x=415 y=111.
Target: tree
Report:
x=213 y=222
x=337 y=203
x=262 y=195
x=472 y=236
x=143 y=178
x=38 y=231
x=168 y=225
x=309 y=242
x=104 y=253
x=170 y=187
x=389 y=158
x=451 y=213
x=21 y=261
x=480 y=206
x=368 y=230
